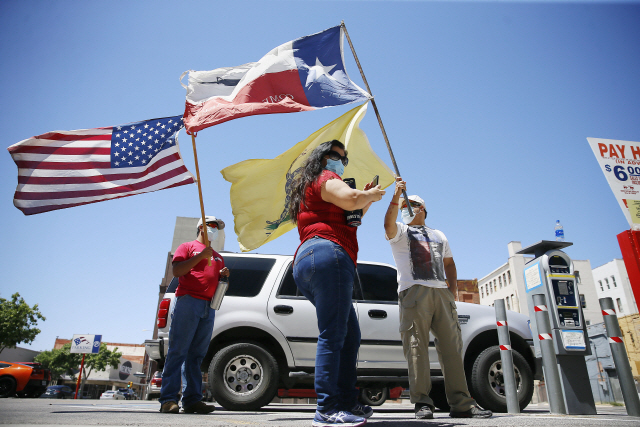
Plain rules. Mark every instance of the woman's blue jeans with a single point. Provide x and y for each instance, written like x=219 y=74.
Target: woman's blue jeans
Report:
x=189 y=338
x=324 y=273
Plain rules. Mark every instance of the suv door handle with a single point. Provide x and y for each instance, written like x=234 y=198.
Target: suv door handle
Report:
x=378 y=314
x=283 y=309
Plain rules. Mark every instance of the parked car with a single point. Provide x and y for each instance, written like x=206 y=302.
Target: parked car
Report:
x=265 y=337
x=112 y=395
x=128 y=393
x=58 y=392
x=23 y=380
x=40 y=378
x=155 y=385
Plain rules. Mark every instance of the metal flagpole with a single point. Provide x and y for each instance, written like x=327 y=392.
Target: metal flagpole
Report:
x=375 y=108
x=204 y=222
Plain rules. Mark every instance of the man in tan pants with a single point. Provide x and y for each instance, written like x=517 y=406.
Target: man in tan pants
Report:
x=424 y=262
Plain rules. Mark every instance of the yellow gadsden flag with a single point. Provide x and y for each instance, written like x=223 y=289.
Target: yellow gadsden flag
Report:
x=261 y=188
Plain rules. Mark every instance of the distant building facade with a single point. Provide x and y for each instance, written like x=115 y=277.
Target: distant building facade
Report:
x=18 y=354
x=612 y=281
x=468 y=291
x=603 y=376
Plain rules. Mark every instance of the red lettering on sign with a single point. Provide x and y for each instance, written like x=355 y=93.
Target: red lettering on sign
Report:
x=621 y=149
x=612 y=152
x=636 y=152
x=603 y=149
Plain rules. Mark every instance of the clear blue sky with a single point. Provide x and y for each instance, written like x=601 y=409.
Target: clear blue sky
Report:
x=487 y=105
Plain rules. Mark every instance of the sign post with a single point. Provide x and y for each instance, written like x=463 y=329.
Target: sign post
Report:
x=84 y=344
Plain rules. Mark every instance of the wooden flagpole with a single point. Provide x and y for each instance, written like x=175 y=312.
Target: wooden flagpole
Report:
x=375 y=108
x=204 y=222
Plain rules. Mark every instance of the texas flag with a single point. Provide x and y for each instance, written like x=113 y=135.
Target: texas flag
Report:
x=304 y=74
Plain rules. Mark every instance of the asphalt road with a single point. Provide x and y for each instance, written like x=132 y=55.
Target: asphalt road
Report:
x=47 y=412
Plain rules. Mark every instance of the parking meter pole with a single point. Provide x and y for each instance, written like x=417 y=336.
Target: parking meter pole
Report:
x=549 y=361
x=508 y=373
x=79 y=376
x=629 y=392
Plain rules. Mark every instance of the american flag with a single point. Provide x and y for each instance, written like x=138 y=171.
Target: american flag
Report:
x=62 y=169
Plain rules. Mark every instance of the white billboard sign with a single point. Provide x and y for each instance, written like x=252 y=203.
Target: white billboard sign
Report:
x=620 y=163
x=84 y=343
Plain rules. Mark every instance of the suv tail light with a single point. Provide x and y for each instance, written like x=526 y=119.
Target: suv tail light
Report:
x=156 y=382
x=36 y=372
x=163 y=312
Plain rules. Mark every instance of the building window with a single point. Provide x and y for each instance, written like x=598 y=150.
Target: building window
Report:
x=601 y=288
x=481 y=292
x=509 y=276
x=577 y=275
x=613 y=279
x=619 y=302
x=495 y=285
x=504 y=279
x=508 y=305
x=583 y=301
x=607 y=282
x=500 y=281
x=588 y=322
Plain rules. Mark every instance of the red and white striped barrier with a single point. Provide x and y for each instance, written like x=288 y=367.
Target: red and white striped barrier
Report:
x=540 y=308
x=608 y=312
x=501 y=323
x=505 y=347
x=543 y=337
x=615 y=339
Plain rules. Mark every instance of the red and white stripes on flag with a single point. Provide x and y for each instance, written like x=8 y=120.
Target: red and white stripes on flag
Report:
x=62 y=169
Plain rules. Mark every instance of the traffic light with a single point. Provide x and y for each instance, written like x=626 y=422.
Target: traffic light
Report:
x=130 y=384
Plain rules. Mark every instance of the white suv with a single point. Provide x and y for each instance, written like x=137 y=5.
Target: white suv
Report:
x=266 y=332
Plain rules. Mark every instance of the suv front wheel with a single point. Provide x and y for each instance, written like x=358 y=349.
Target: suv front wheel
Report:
x=243 y=377
x=487 y=382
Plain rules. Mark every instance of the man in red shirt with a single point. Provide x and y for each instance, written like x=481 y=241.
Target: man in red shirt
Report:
x=192 y=320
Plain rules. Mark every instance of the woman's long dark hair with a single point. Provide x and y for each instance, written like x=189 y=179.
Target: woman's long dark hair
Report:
x=311 y=170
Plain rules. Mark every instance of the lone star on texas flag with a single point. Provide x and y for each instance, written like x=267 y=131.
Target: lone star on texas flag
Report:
x=318 y=70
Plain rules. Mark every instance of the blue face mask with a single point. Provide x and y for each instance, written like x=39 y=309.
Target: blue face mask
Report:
x=212 y=233
x=406 y=218
x=335 y=166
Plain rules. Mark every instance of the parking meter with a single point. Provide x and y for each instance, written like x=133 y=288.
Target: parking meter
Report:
x=551 y=274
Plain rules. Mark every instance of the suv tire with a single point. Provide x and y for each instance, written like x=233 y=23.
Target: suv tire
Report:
x=487 y=385
x=373 y=396
x=243 y=377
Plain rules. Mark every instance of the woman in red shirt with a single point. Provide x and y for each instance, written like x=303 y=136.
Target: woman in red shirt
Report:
x=324 y=271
